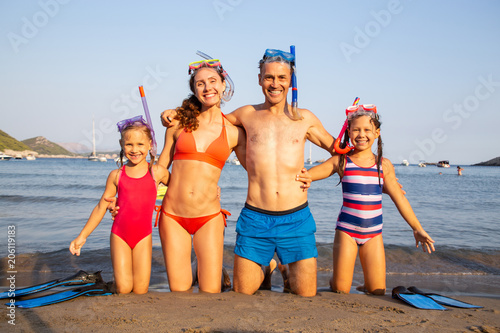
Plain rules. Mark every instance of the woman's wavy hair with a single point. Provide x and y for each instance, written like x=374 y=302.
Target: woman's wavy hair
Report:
x=188 y=112
x=376 y=123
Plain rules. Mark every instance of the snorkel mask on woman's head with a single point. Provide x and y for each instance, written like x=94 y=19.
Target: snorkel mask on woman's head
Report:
x=213 y=63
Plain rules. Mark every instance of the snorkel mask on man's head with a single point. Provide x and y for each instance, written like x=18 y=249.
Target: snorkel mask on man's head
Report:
x=272 y=55
x=215 y=64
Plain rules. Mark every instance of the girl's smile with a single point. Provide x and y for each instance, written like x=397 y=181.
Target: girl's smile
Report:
x=362 y=133
x=136 y=146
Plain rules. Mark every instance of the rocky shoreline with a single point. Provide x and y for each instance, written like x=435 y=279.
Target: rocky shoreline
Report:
x=25 y=153
x=493 y=162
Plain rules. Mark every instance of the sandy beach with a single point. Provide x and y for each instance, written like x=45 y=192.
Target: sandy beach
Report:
x=266 y=311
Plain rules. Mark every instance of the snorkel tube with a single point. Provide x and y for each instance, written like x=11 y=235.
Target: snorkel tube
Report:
x=336 y=145
x=228 y=93
x=295 y=113
x=148 y=119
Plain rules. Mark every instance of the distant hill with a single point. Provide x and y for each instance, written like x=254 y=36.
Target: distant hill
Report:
x=43 y=146
x=76 y=148
x=493 y=162
x=38 y=145
x=8 y=142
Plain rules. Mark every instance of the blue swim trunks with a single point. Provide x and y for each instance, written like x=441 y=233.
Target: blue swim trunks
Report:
x=261 y=233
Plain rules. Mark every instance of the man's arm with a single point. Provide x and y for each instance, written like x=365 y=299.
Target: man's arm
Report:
x=318 y=135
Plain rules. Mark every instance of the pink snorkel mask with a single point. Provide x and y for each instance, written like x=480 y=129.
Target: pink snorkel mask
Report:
x=355 y=109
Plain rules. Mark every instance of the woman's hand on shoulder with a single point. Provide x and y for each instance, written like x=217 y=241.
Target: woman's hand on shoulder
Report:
x=167 y=118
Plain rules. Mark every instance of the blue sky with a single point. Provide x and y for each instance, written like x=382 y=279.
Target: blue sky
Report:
x=431 y=67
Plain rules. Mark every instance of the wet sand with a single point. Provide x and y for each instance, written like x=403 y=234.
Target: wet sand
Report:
x=266 y=311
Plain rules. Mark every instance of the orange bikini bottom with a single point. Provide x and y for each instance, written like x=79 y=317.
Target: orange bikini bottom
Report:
x=193 y=224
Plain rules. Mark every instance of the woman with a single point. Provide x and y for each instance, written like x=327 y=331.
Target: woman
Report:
x=200 y=145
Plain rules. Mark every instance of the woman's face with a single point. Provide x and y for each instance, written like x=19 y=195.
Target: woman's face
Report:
x=208 y=87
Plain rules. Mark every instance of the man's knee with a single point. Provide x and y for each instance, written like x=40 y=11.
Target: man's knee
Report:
x=247 y=276
x=303 y=277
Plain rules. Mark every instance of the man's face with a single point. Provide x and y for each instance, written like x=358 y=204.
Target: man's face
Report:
x=275 y=79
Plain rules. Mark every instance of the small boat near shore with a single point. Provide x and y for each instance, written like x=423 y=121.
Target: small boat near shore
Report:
x=5 y=157
x=443 y=164
x=405 y=163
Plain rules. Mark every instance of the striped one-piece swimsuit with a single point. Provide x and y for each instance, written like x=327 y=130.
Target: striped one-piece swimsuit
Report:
x=361 y=214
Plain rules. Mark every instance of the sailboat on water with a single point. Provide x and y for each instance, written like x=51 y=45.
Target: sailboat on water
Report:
x=309 y=160
x=93 y=156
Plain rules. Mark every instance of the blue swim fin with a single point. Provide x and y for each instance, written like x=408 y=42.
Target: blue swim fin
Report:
x=416 y=300
x=99 y=289
x=444 y=300
x=81 y=278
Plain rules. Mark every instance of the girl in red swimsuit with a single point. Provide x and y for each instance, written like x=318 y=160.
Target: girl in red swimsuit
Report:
x=136 y=183
x=198 y=147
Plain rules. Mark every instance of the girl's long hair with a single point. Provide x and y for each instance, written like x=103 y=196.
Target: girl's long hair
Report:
x=378 y=158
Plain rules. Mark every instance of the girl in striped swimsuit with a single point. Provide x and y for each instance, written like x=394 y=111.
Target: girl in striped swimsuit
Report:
x=364 y=177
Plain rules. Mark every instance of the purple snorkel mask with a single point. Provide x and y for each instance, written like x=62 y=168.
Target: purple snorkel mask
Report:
x=137 y=120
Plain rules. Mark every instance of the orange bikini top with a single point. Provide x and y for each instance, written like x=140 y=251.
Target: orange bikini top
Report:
x=216 y=154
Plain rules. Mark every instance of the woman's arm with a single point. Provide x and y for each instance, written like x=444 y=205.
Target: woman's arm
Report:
x=161 y=174
x=241 y=146
x=167 y=153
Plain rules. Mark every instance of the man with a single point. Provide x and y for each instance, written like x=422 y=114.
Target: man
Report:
x=276 y=217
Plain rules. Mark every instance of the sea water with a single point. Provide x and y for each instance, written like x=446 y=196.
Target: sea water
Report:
x=48 y=201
